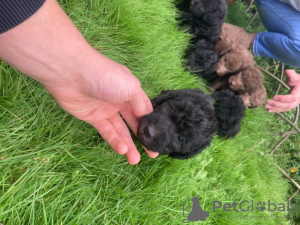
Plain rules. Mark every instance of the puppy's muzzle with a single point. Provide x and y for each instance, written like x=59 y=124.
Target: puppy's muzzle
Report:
x=154 y=132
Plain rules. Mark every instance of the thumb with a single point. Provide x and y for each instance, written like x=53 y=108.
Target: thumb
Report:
x=140 y=104
x=292 y=78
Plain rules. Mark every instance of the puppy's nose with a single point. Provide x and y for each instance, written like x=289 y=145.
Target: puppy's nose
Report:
x=220 y=71
x=148 y=131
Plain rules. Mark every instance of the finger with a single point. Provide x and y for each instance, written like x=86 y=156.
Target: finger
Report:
x=150 y=153
x=132 y=154
x=140 y=104
x=132 y=122
x=292 y=77
x=131 y=118
x=284 y=98
x=148 y=103
x=109 y=133
x=274 y=106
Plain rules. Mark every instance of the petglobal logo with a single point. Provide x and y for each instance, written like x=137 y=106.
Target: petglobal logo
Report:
x=192 y=211
x=246 y=206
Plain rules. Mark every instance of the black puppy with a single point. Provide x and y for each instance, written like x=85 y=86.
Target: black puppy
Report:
x=208 y=17
x=184 y=122
x=204 y=17
x=202 y=59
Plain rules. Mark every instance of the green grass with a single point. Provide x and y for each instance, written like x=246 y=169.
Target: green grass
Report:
x=287 y=155
x=55 y=169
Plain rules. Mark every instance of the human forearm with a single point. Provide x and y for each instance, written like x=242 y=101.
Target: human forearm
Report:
x=88 y=85
x=45 y=47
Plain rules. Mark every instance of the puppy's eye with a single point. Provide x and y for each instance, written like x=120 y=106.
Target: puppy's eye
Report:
x=245 y=86
x=180 y=139
x=172 y=111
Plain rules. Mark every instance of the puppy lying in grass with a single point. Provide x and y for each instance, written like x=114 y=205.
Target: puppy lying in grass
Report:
x=184 y=122
x=254 y=98
x=234 y=35
x=202 y=58
x=236 y=67
x=245 y=80
x=208 y=17
x=203 y=17
x=235 y=58
x=248 y=83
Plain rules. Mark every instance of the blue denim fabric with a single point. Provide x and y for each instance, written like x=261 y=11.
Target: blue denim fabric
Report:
x=282 y=41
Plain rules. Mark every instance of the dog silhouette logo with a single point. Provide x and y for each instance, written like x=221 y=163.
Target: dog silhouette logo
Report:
x=195 y=212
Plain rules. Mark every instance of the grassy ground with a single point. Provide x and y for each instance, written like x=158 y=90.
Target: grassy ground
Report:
x=287 y=155
x=56 y=170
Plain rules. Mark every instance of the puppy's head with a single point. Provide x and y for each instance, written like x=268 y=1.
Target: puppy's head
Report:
x=202 y=57
x=212 y=12
x=234 y=59
x=181 y=125
x=246 y=80
x=255 y=97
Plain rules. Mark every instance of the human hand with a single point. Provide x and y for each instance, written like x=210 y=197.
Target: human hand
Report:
x=104 y=94
x=284 y=103
x=48 y=48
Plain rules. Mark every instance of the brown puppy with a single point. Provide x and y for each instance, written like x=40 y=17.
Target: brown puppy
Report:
x=234 y=35
x=234 y=59
x=251 y=98
x=246 y=80
x=254 y=98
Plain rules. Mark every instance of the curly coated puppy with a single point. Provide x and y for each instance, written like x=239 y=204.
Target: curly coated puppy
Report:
x=202 y=58
x=254 y=98
x=246 y=80
x=184 y=122
x=207 y=18
x=234 y=59
x=248 y=84
x=234 y=35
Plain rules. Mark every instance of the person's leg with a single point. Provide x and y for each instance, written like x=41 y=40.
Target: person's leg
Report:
x=282 y=41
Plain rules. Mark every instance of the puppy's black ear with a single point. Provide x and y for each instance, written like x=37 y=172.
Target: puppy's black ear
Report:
x=171 y=94
x=164 y=96
x=230 y=111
